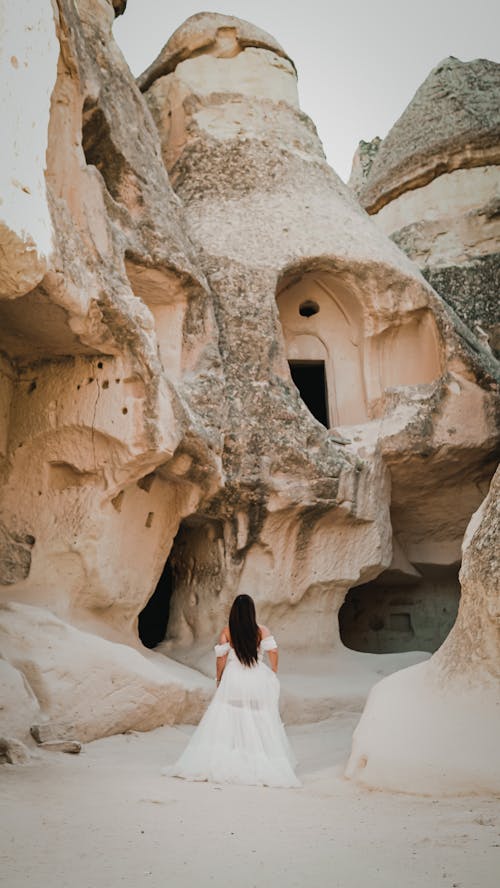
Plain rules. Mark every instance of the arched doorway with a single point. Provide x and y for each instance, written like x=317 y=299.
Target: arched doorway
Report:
x=323 y=330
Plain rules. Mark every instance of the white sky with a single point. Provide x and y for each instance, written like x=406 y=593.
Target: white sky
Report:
x=359 y=61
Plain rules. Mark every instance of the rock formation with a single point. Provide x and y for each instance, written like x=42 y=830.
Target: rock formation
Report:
x=218 y=375
x=271 y=220
x=433 y=185
x=81 y=686
x=90 y=225
x=434 y=728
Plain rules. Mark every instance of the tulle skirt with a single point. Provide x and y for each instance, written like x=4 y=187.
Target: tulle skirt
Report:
x=241 y=738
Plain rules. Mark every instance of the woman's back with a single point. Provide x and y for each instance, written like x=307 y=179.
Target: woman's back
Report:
x=241 y=738
x=266 y=643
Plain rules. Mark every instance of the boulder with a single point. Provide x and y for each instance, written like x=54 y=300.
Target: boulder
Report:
x=19 y=706
x=87 y=687
x=14 y=751
x=434 y=728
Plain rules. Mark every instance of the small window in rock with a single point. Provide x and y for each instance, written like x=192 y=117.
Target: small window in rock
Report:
x=308 y=308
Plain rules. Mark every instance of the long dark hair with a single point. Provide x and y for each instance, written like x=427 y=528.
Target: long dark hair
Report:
x=245 y=633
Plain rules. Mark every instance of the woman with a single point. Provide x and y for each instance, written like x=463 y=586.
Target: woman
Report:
x=241 y=738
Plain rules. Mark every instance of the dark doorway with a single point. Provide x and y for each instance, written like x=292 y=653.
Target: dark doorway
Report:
x=153 y=618
x=310 y=379
x=382 y=618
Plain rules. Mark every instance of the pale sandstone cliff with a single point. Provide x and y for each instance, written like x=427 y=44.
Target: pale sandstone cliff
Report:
x=89 y=411
x=192 y=241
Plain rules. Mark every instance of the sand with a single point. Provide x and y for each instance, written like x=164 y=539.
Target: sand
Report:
x=107 y=818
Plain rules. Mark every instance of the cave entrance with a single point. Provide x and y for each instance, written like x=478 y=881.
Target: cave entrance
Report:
x=382 y=617
x=153 y=619
x=183 y=606
x=310 y=379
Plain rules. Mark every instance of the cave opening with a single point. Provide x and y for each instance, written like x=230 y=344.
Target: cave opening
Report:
x=181 y=608
x=310 y=379
x=153 y=619
x=386 y=617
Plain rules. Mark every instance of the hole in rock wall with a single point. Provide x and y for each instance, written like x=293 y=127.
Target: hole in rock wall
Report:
x=33 y=328
x=63 y=475
x=325 y=316
x=146 y=482
x=322 y=323
x=101 y=151
x=308 y=308
x=386 y=616
x=310 y=379
x=153 y=619
x=166 y=294
x=182 y=605
x=117 y=501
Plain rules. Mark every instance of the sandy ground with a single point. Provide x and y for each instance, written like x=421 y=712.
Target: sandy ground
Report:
x=107 y=818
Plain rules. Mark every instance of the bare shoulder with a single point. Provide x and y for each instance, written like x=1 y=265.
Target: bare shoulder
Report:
x=264 y=632
x=224 y=636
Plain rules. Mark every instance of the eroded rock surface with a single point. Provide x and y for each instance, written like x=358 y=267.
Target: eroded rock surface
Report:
x=434 y=727
x=19 y=707
x=91 y=409
x=217 y=375
x=433 y=185
x=274 y=225
x=88 y=687
x=462 y=130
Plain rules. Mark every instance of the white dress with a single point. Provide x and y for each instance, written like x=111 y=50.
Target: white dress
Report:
x=241 y=738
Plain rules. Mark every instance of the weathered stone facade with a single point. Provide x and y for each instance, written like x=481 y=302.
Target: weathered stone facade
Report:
x=194 y=255
x=433 y=185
